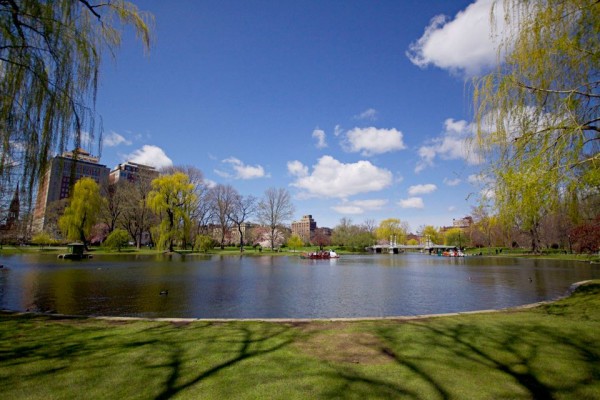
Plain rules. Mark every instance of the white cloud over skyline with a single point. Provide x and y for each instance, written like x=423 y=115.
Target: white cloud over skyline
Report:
x=465 y=44
x=331 y=178
x=113 y=139
x=453 y=144
x=241 y=170
x=149 y=155
x=370 y=141
x=412 y=202
x=422 y=189
x=359 y=206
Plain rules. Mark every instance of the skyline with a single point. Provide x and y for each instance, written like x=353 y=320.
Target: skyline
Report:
x=360 y=110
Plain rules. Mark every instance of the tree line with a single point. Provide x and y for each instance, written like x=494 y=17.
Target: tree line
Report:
x=176 y=209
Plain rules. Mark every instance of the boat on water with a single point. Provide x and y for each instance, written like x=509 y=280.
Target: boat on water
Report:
x=320 y=255
x=453 y=253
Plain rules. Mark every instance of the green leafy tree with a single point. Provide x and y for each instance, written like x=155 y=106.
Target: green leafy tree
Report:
x=455 y=237
x=51 y=53
x=204 y=243
x=538 y=113
x=117 y=239
x=43 y=239
x=82 y=212
x=171 y=198
x=431 y=233
x=392 y=228
x=351 y=236
x=295 y=241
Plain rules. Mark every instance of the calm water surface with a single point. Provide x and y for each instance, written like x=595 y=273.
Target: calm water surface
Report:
x=280 y=287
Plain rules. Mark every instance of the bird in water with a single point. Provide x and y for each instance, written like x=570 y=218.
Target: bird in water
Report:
x=164 y=292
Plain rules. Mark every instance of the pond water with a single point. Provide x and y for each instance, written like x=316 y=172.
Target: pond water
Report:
x=280 y=287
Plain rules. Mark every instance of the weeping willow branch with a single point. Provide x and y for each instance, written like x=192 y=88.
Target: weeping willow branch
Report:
x=50 y=55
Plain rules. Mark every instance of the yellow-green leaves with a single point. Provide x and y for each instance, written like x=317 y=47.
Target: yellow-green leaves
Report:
x=172 y=197
x=51 y=52
x=81 y=214
x=392 y=229
x=538 y=113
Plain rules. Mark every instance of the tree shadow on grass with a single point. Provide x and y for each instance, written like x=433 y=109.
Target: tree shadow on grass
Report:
x=251 y=342
x=516 y=354
x=515 y=357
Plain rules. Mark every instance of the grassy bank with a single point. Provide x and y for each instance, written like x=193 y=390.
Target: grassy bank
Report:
x=548 y=352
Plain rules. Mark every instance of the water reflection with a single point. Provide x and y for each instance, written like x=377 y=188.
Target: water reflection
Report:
x=280 y=287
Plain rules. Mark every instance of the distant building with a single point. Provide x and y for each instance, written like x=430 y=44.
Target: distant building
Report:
x=246 y=228
x=131 y=172
x=461 y=223
x=305 y=228
x=62 y=173
x=13 y=212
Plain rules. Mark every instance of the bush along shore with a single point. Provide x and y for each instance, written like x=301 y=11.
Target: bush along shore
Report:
x=551 y=351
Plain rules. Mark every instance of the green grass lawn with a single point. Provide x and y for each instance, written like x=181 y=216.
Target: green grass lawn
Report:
x=548 y=352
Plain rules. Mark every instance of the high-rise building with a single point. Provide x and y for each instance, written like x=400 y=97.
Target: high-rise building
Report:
x=305 y=228
x=62 y=173
x=131 y=172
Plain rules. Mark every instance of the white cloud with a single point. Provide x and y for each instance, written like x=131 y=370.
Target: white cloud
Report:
x=453 y=144
x=331 y=178
x=452 y=208
x=113 y=139
x=412 y=202
x=371 y=140
x=465 y=44
x=241 y=170
x=479 y=179
x=319 y=134
x=337 y=130
x=209 y=183
x=149 y=155
x=422 y=189
x=359 y=206
x=348 y=209
x=296 y=168
x=452 y=182
x=485 y=183
x=369 y=114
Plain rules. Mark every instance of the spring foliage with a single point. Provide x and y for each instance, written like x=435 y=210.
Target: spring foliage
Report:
x=538 y=113
x=50 y=55
x=82 y=212
x=172 y=197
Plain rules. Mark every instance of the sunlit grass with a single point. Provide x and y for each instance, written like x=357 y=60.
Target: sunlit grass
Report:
x=551 y=351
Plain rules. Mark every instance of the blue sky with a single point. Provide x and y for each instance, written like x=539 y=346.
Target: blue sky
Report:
x=361 y=109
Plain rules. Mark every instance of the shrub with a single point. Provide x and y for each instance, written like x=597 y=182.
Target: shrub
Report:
x=117 y=239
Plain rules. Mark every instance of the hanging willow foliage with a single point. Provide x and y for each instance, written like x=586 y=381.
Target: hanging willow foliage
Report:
x=50 y=54
x=538 y=113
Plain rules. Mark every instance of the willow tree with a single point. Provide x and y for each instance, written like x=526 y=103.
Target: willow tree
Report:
x=82 y=212
x=50 y=55
x=392 y=230
x=172 y=197
x=538 y=111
